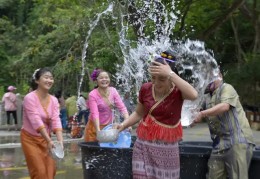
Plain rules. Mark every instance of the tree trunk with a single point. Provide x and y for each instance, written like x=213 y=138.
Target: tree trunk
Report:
x=254 y=17
x=187 y=8
x=240 y=52
x=236 y=4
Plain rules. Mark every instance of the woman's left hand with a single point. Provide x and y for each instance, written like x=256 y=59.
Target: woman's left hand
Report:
x=160 y=69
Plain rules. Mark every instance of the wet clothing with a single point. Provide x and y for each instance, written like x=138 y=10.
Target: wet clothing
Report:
x=156 y=152
x=102 y=110
x=39 y=162
x=230 y=133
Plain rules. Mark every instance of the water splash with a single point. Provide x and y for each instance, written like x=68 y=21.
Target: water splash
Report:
x=195 y=64
x=85 y=46
x=131 y=75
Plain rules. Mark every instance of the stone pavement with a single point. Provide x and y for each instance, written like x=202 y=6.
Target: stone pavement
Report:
x=200 y=132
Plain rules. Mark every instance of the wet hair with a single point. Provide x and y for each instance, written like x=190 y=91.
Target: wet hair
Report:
x=170 y=58
x=36 y=76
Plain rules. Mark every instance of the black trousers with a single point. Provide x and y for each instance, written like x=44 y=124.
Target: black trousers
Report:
x=8 y=113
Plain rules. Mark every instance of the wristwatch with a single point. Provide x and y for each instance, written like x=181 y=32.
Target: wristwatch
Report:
x=170 y=74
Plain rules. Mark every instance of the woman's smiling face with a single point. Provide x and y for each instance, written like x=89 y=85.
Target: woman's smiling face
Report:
x=103 y=80
x=45 y=81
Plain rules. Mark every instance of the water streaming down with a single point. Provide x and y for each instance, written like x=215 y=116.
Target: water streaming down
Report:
x=85 y=46
x=194 y=63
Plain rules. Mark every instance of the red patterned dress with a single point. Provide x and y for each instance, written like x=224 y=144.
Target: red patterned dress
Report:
x=156 y=150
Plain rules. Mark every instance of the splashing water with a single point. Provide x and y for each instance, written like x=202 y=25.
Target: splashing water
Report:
x=85 y=46
x=195 y=64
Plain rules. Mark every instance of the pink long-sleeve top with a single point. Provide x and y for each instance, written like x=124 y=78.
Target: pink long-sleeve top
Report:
x=35 y=117
x=9 y=100
x=99 y=109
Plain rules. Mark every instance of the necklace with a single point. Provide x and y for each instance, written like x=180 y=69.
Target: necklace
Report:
x=157 y=96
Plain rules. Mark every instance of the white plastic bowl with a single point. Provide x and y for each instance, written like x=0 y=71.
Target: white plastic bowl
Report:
x=57 y=152
x=109 y=135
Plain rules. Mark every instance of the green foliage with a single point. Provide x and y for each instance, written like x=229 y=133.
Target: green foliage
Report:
x=4 y=73
x=38 y=33
x=246 y=78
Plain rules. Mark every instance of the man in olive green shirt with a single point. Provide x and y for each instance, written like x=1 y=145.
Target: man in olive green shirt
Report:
x=230 y=132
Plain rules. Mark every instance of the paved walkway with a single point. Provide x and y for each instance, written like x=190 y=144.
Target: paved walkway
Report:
x=200 y=132
x=71 y=166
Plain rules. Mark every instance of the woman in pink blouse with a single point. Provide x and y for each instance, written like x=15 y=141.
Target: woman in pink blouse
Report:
x=9 y=102
x=40 y=118
x=101 y=101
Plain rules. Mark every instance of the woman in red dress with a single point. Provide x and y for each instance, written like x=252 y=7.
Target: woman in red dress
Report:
x=156 y=150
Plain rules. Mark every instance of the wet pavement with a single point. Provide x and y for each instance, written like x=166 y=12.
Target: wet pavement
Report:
x=13 y=165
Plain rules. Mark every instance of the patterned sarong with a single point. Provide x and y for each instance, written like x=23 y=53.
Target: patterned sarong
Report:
x=155 y=160
x=39 y=162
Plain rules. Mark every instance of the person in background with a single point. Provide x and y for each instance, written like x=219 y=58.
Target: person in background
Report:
x=40 y=119
x=230 y=132
x=10 y=106
x=71 y=106
x=128 y=103
x=156 y=150
x=102 y=101
x=83 y=108
x=63 y=110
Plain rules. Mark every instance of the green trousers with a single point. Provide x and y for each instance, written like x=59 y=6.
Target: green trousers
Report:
x=233 y=162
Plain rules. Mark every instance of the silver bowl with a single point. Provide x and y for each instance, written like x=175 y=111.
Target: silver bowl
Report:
x=57 y=152
x=109 y=135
